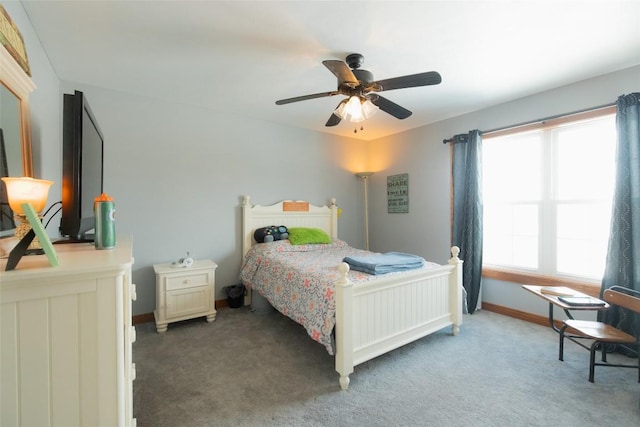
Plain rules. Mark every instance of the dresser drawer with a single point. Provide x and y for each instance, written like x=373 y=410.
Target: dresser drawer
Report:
x=187 y=281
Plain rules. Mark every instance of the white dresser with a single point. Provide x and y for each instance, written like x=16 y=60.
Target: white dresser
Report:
x=66 y=338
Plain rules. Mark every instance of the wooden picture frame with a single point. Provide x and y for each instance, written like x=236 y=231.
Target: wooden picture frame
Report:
x=12 y=40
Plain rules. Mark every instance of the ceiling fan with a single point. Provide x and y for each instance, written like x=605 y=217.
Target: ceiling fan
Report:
x=361 y=90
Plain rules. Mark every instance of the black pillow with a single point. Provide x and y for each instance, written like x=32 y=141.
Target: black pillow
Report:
x=271 y=233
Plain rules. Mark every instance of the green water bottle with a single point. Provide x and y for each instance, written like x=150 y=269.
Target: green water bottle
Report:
x=105 y=214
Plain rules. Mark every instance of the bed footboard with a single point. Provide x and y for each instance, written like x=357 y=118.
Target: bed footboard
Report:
x=376 y=317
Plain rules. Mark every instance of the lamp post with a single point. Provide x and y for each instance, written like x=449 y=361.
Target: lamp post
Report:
x=365 y=178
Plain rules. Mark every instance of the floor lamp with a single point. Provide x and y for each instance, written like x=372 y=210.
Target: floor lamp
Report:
x=365 y=178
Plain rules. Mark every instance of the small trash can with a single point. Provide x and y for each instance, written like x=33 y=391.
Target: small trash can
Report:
x=235 y=295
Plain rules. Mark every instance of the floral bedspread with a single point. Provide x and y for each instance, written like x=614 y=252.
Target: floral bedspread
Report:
x=299 y=281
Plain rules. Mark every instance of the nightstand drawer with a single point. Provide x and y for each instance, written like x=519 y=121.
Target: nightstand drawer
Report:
x=187 y=281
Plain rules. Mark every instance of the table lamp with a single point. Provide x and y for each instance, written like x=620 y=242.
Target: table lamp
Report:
x=26 y=190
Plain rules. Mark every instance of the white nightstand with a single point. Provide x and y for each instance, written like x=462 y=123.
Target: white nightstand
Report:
x=184 y=292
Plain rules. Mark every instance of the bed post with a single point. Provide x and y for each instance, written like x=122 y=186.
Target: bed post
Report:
x=455 y=289
x=344 y=326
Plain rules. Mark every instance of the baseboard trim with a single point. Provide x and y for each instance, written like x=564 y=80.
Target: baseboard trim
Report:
x=495 y=308
x=149 y=317
x=143 y=318
x=517 y=314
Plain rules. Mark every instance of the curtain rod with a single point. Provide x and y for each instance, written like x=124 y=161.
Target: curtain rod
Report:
x=545 y=119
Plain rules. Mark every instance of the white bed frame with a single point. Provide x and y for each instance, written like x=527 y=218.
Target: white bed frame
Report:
x=375 y=317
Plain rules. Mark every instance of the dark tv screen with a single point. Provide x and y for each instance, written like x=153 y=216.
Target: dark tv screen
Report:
x=82 y=167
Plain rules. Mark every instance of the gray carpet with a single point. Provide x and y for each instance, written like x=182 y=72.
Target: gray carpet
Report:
x=261 y=369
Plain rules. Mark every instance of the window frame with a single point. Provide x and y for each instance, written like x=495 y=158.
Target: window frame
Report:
x=591 y=287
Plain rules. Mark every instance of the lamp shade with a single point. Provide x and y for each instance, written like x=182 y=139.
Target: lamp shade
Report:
x=27 y=190
x=368 y=108
x=356 y=109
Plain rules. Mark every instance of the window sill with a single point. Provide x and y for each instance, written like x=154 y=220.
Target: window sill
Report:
x=521 y=278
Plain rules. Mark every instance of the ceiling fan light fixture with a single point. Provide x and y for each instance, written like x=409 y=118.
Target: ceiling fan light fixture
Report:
x=354 y=109
x=360 y=89
x=368 y=108
x=341 y=110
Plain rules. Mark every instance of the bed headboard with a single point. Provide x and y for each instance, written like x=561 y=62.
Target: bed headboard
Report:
x=288 y=213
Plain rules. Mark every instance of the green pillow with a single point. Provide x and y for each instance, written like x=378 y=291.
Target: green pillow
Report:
x=307 y=236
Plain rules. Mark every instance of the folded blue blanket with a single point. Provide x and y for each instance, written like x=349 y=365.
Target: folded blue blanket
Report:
x=385 y=263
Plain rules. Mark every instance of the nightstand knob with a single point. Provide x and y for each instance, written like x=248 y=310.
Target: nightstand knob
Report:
x=134 y=295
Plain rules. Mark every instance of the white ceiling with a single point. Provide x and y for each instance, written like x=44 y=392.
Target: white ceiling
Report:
x=241 y=56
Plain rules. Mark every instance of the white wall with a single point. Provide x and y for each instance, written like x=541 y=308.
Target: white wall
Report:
x=178 y=173
x=422 y=155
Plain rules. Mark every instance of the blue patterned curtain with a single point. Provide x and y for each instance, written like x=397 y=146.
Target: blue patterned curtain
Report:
x=467 y=210
x=623 y=257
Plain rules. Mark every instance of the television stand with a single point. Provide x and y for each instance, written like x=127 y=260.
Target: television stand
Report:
x=89 y=238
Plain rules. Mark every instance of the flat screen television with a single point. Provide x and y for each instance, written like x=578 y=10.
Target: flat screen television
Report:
x=82 y=163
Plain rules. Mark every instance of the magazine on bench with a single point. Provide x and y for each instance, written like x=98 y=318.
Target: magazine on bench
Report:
x=581 y=300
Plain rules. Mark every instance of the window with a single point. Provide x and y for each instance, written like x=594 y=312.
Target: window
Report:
x=547 y=193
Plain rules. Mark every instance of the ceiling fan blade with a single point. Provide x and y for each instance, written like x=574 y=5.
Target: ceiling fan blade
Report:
x=390 y=107
x=305 y=97
x=335 y=119
x=342 y=72
x=413 y=80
